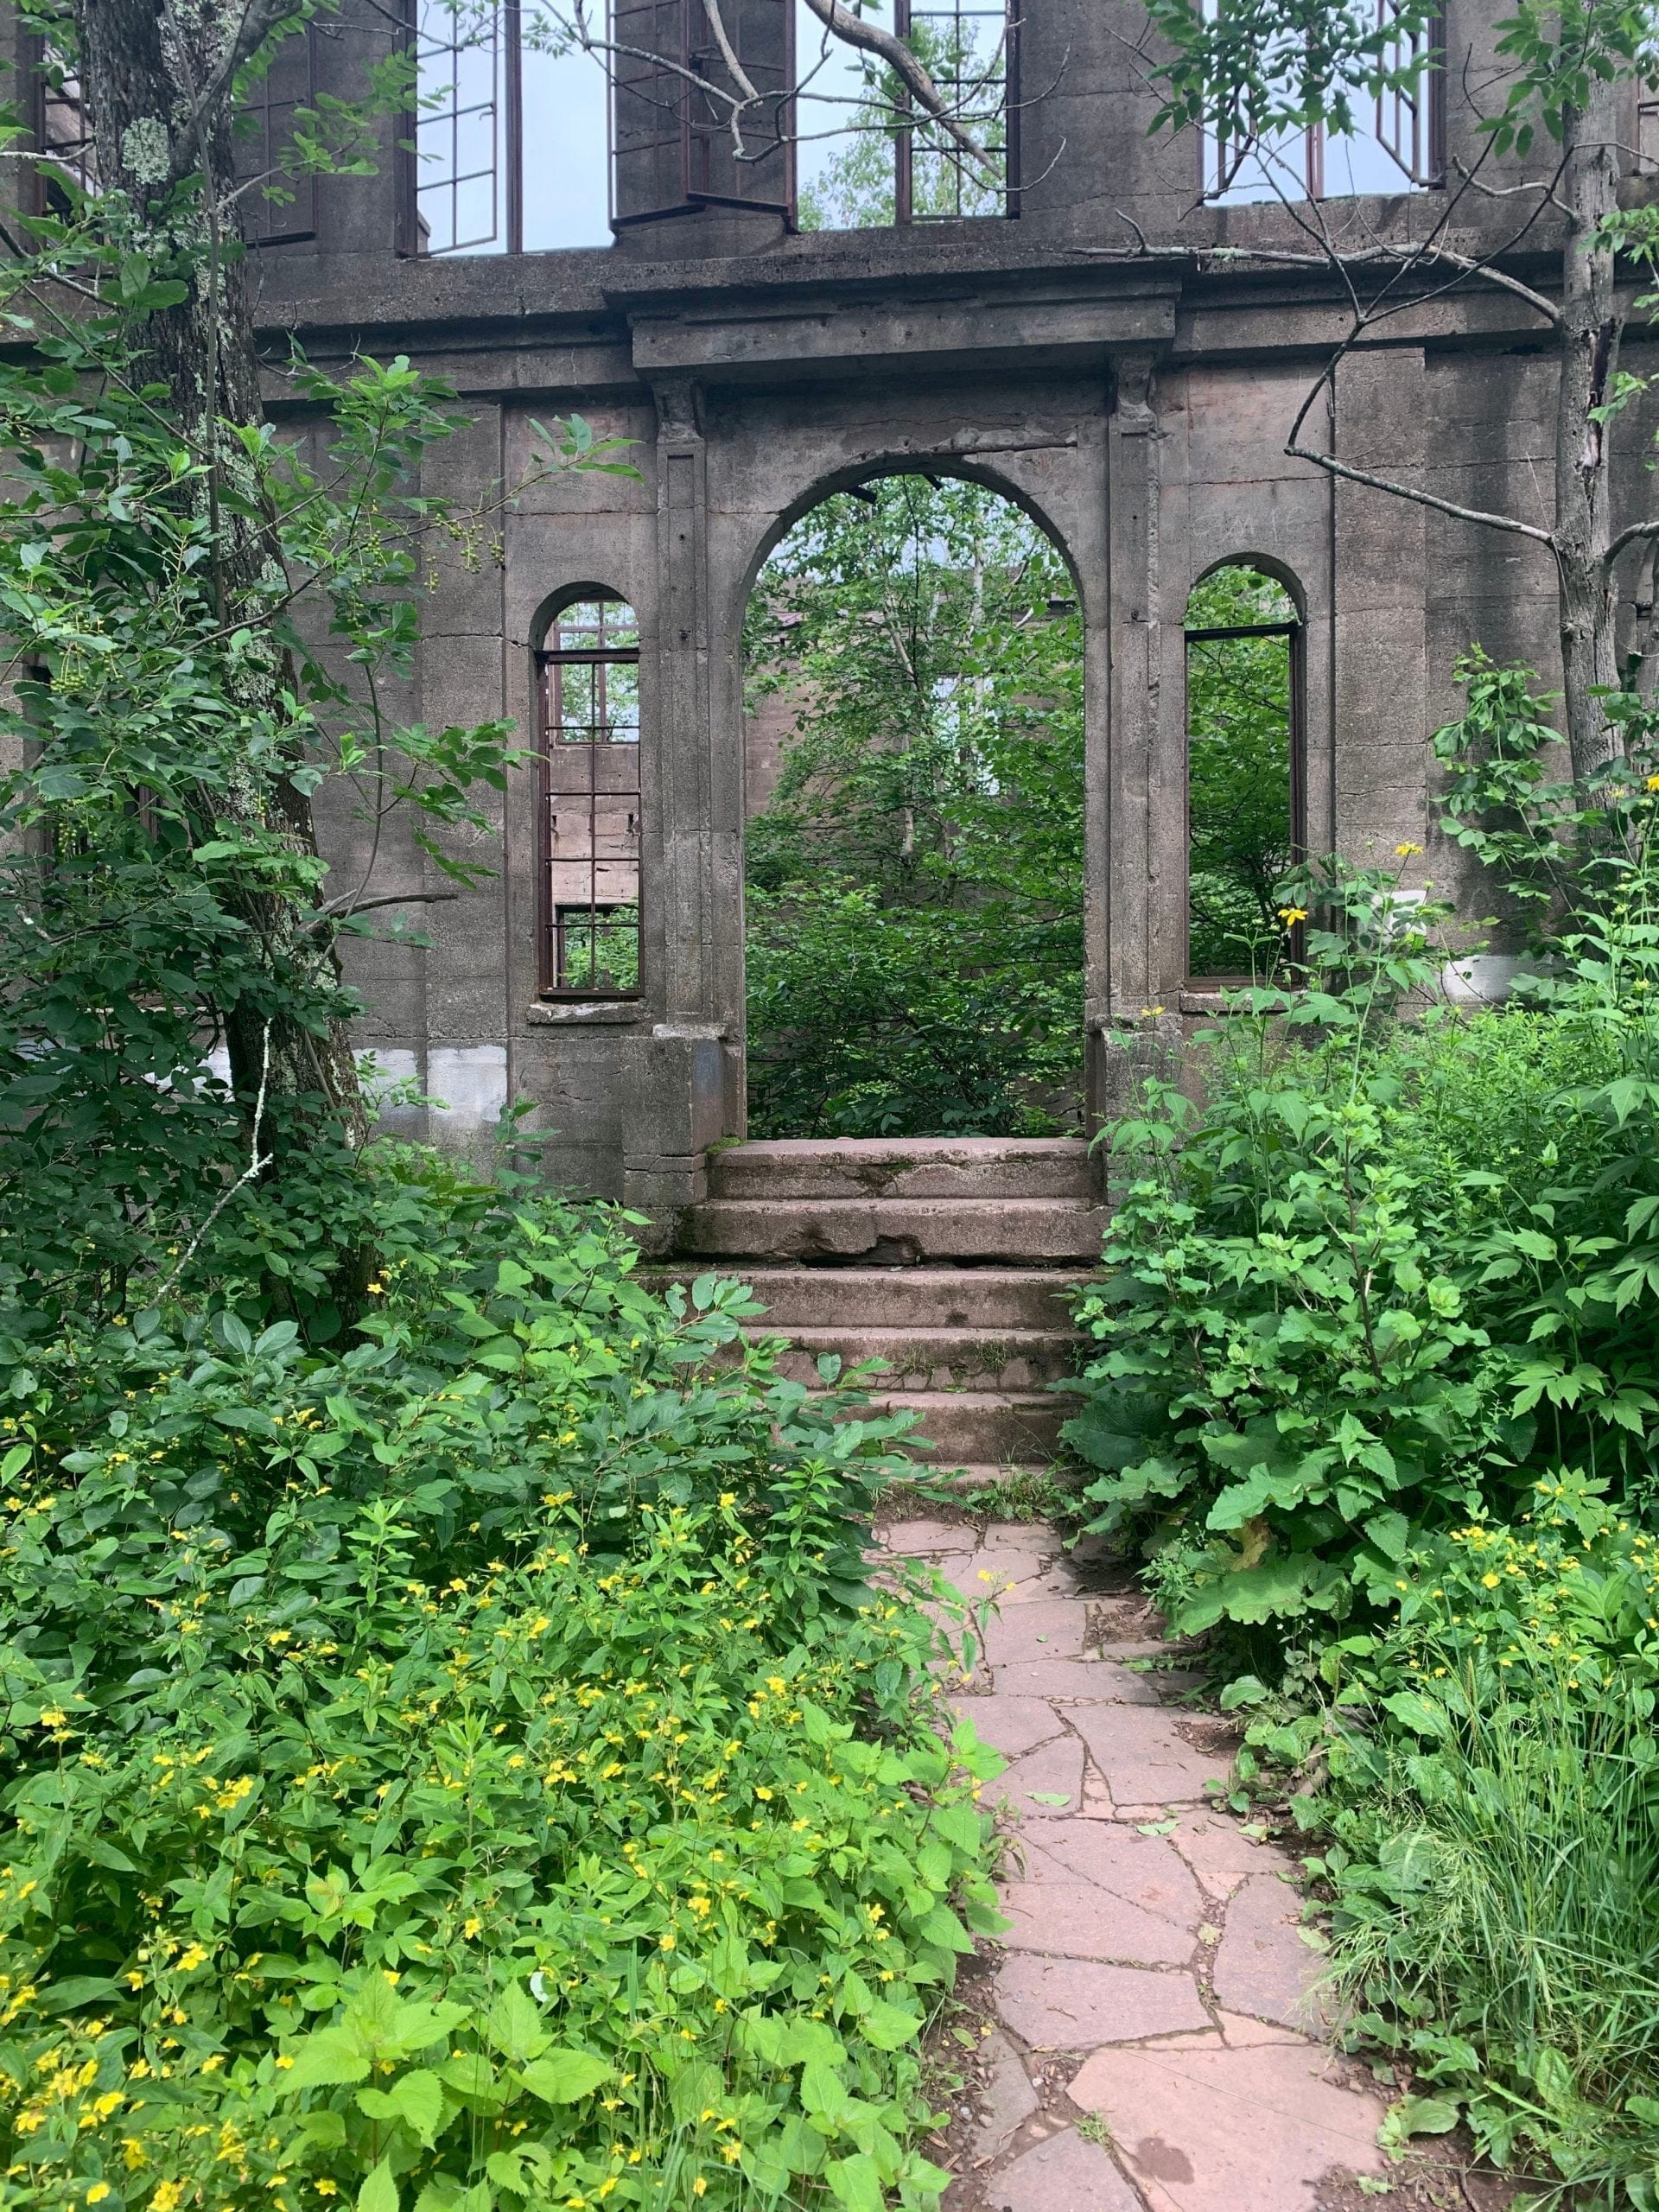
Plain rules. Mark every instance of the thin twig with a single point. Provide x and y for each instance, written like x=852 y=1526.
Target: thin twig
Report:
x=256 y=1167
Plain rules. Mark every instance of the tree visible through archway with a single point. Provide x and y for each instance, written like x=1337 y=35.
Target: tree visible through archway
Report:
x=914 y=860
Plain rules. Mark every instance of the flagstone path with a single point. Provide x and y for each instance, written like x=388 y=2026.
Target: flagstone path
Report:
x=1155 y=2041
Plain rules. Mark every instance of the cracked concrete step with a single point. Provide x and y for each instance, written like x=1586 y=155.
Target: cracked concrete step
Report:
x=976 y=1427
x=903 y=1167
x=899 y=1231
x=937 y=1359
x=989 y=1298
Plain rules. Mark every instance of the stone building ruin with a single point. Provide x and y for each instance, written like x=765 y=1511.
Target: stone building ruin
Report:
x=1069 y=348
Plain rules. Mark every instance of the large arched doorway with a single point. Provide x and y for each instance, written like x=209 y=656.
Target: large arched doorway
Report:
x=913 y=662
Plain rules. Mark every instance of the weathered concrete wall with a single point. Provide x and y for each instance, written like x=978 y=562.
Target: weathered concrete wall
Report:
x=1137 y=403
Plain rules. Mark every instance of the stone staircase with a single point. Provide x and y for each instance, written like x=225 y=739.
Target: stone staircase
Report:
x=948 y=1258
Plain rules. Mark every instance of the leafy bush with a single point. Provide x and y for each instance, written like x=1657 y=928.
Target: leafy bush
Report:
x=1376 y=1393
x=467 y=1767
x=1492 y=1850
x=1382 y=1272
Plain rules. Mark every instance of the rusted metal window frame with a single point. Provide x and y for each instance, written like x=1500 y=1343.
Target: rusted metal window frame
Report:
x=1220 y=158
x=506 y=80
x=904 y=183
x=63 y=155
x=1427 y=109
x=549 y=911
x=678 y=97
x=1296 y=631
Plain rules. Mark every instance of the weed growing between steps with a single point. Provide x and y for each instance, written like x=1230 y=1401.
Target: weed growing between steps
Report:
x=466 y=1767
x=1052 y=1496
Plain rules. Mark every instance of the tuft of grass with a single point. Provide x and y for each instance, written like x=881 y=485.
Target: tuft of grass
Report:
x=1498 y=1921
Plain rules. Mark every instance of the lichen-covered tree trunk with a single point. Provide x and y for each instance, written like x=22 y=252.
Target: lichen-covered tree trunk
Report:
x=1591 y=329
x=157 y=76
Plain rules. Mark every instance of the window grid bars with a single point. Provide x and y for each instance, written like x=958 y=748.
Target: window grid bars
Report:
x=578 y=937
x=463 y=61
x=971 y=81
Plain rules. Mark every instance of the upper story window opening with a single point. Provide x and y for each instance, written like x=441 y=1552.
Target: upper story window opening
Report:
x=509 y=146
x=869 y=158
x=277 y=208
x=1398 y=143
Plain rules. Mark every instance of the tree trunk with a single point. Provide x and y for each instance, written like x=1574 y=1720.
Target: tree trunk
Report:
x=156 y=75
x=1590 y=338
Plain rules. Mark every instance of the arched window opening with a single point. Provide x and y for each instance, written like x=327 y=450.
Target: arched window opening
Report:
x=590 y=805
x=1244 y=754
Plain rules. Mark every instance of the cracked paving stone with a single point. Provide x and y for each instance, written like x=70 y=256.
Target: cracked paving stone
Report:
x=1065 y=2174
x=1075 y=1920
x=1144 y=1756
x=1142 y=1868
x=1263 y=1967
x=1084 y=1677
x=1008 y=2098
x=1053 y=1769
x=1230 y=2130
x=1079 y=2004
x=1043 y=1628
x=1012 y=1726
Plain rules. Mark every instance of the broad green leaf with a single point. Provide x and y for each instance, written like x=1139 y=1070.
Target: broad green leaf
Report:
x=887 y=2026
x=515 y=2025
x=561 y=2076
x=856 y=2183
x=379 y=2192
x=1426 y=2116
x=329 y=2056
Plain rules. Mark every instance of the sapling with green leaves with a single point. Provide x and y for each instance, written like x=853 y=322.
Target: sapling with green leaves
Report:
x=202 y=622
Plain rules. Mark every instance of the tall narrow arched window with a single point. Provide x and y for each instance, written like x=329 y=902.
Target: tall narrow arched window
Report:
x=1244 y=775
x=590 y=802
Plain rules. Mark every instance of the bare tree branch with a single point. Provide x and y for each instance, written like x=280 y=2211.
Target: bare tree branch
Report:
x=1510 y=523
x=729 y=52
x=852 y=30
x=1638 y=529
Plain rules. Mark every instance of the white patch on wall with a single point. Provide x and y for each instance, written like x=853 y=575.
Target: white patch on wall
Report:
x=468 y=1088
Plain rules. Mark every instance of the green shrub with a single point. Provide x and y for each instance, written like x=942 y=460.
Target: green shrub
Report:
x=1383 y=1273
x=470 y=1768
